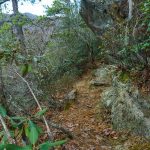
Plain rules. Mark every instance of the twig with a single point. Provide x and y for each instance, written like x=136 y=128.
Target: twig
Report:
x=130 y=2
x=44 y=118
x=10 y=139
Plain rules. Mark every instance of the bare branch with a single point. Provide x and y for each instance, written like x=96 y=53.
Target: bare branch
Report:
x=10 y=139
x=130 y=2
x=44 y=118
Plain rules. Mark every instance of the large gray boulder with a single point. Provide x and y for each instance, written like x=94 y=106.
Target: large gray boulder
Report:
x=129 y=110
x=100 y=15
x=126 y=107
x=103 y=76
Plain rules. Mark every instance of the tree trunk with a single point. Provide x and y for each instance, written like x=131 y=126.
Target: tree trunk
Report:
x=90 y=54
x=130 y=2
x=19 y=30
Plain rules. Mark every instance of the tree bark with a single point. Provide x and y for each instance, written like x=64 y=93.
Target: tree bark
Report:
x=19 y=30
x=130 y=2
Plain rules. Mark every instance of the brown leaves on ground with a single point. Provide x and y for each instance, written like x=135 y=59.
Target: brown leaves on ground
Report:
x=90 y=123
x=83 y=121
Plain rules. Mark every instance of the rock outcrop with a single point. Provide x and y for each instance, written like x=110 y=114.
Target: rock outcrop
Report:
x=129 y=110
x=100 y=15
x=71 y=95
x=103 y=76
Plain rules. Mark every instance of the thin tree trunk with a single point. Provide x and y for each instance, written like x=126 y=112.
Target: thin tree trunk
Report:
x=10 y=139
x=19 y=30
x=130 y=2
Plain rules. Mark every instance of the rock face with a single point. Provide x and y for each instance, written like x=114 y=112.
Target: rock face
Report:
x=126 y=112
x=100 y=15
x=129 y=110
x=37 y=35
x=103 y=76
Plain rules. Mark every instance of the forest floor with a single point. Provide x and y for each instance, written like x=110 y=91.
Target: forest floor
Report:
x=82 y=117
x=89 y=122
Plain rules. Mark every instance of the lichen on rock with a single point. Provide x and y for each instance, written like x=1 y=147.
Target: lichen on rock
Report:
x=126 y=105
x=103 y=76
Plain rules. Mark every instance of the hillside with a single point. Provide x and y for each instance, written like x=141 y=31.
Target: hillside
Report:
x=77 y=78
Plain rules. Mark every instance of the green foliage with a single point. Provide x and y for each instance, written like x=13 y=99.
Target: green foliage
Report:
x=55 y=59
x=14 y=147
x=59 y=7
x=33 y=133
x=11 y=55
x=24 y=126
x=128 y=44
x=25 y=69
x=3 y=111
x=20 y=20
x=47 y=145
x=6 y=26
x=72 y=46
x=124 y=76
x=7 y=43
x=10 y=48
x=145 y=8
x=41 y=112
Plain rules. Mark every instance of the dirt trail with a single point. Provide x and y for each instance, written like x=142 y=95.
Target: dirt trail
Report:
x=82 y=118
x=90 y=123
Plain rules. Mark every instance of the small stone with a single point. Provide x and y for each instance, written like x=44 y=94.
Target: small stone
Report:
x=105 y=148
x=99 y=83
x=71 y=95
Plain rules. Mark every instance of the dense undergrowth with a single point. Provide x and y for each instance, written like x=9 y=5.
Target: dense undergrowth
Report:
x=55 y=50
